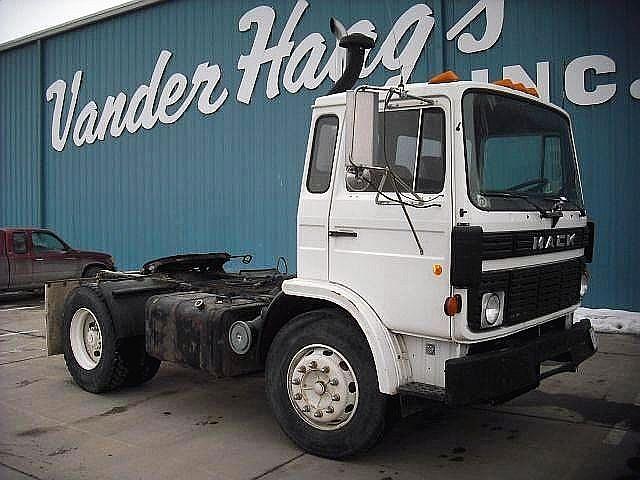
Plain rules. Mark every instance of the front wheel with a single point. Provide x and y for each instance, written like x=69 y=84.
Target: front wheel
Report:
x=322 y=385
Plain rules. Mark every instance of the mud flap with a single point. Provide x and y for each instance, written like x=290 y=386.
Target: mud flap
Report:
x=55 y=294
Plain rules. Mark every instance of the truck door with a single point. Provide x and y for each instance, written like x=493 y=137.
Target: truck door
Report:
x=315 y=198
x=51 y=259
x=372 y=248
x=20 y=261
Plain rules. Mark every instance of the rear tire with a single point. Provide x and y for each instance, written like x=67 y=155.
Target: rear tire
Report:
x=332 y=407
x=90 y=346
x=141 y=366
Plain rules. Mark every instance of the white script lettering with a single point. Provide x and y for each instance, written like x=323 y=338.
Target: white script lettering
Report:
x=417 y=22
x=141 y=111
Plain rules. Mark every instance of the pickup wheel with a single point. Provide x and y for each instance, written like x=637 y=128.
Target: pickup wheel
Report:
x=322 y=385
x=90 y=348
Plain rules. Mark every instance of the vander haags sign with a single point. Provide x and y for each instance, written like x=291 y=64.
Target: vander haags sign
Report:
x=165 y=98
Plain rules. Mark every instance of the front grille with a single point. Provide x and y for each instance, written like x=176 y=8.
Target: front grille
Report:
x=529 y=292
x=497 y=245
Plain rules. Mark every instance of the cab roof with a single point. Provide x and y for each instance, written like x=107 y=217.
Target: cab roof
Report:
x=450 y=89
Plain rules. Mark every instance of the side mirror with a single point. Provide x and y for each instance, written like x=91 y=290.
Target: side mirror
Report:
x=361 y=128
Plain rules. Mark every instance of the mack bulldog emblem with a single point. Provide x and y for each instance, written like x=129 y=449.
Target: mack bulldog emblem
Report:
x=561 y=240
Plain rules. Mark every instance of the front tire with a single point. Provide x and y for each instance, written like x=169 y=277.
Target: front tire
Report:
x=322 y=385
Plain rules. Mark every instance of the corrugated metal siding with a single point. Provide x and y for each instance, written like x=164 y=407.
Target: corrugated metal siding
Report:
x=19 y=136
x=230 y=181
x=227 y=181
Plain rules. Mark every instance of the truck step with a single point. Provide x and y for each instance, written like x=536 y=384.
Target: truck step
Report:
x=423 y=390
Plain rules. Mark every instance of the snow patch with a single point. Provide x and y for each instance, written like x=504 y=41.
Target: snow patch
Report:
x=604 y=320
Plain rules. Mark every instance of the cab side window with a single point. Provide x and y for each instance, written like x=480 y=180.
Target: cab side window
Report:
x=323 y=150
x=412 y=145
x=46 y=242
x=19 y=242
x=431 y=160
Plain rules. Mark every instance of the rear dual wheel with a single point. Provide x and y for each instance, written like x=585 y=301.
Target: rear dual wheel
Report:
x=96 y=359
x=322 y=385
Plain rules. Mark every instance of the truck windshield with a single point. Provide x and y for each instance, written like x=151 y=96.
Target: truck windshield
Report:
x=519 y=154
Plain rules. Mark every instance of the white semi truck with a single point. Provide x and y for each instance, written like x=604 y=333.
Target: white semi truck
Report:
x=442 y=244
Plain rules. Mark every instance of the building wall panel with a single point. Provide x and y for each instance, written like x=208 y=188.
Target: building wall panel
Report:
x=19 y=136
x=230 y=180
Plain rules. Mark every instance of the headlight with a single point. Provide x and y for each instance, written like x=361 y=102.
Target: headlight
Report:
x=584 y=283
x=492 y=307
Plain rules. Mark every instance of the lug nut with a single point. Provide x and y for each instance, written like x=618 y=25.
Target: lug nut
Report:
x=297 y=396
x=296 y=381
x=302 y=369
x=306 y=408
x=325 y=369
x=317 y=414
x=330 y=409
x=335 y=397
x=313 y=364
x=333 y=381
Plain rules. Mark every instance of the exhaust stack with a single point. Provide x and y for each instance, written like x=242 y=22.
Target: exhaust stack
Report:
x=356 y=44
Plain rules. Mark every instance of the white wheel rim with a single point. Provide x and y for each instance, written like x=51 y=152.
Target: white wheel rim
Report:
x=86 y=338
x=322 y=387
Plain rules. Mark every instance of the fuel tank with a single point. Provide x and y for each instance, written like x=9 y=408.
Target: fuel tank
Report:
x=193 y=329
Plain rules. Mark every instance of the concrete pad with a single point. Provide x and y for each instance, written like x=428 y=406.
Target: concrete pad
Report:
x=185 y=423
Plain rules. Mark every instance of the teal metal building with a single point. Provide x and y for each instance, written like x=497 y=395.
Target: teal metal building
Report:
x=186 y=128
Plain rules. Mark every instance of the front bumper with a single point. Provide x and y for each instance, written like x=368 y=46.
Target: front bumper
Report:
x=506 y=373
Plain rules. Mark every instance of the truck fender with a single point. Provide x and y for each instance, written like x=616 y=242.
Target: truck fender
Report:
x=391 y=366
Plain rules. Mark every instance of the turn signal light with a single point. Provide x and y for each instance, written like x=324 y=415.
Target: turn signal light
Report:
x=453 y=305
x=445 y=77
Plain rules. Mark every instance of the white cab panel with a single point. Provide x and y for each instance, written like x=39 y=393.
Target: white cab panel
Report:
x=313 y=214
x=381 y=261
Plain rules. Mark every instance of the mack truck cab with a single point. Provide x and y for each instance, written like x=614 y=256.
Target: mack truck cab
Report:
x=442 y=251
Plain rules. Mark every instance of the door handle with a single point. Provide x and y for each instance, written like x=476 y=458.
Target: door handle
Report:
x=39 y=259
x=338 y=233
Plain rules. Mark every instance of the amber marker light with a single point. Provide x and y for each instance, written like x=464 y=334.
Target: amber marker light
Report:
x=505 y=82
x=532 y=91
x=445 y=77
x=453 y=305
x=437 y=269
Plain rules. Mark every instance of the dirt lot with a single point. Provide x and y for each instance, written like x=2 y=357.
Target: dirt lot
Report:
x=184 y=424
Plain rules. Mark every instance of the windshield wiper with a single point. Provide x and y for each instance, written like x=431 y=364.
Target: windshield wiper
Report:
x=544 y=213
x=559 y=201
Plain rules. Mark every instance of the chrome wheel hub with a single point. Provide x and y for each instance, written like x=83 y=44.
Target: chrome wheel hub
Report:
x=322 y=387
x=86 y=338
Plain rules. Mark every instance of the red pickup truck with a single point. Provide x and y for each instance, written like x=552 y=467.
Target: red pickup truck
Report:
x=30 y=257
